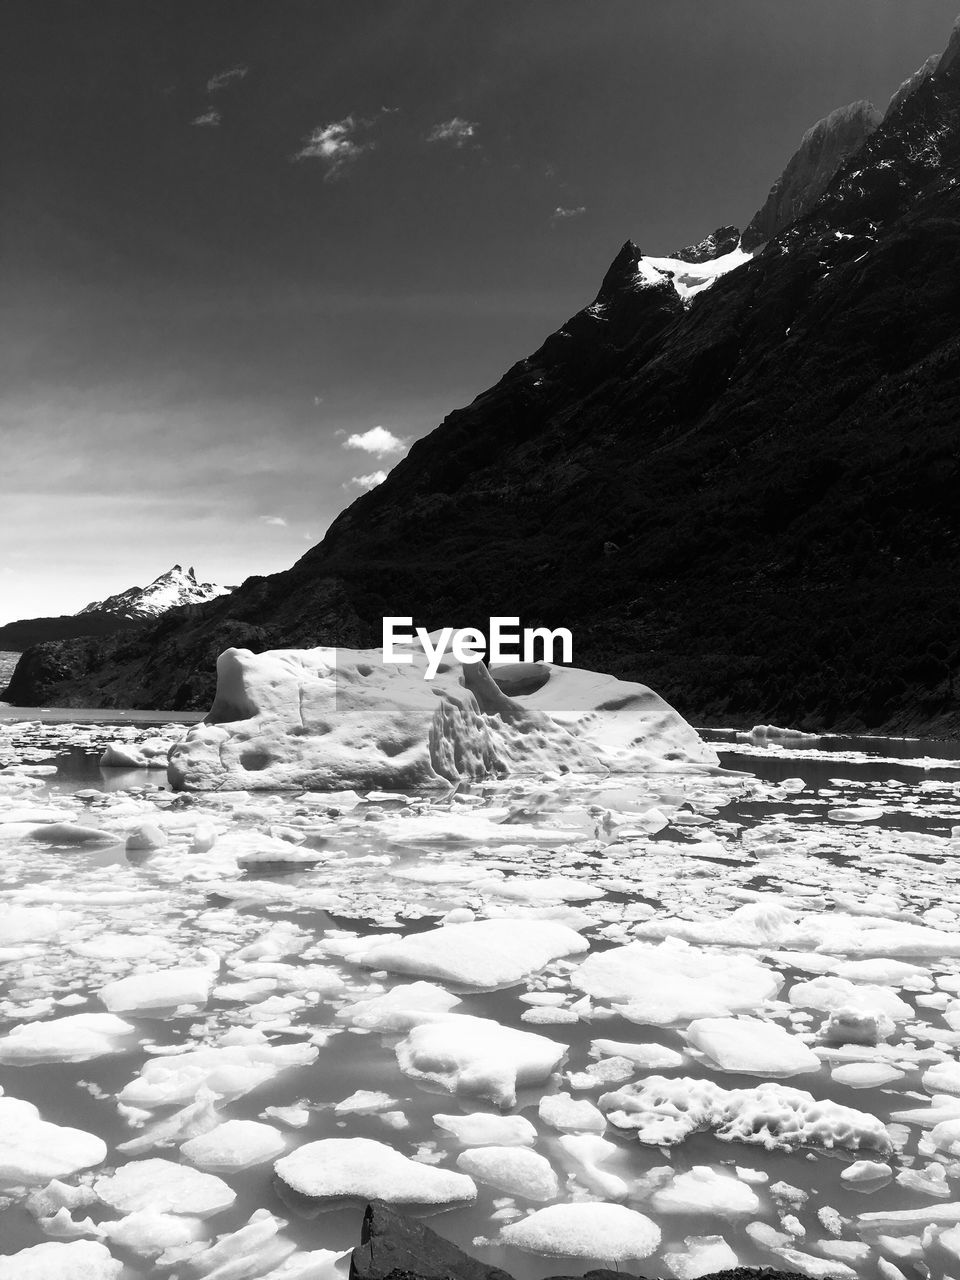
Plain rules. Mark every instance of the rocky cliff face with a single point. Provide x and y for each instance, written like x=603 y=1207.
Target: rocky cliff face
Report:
x=823 y=150
x=745 y=498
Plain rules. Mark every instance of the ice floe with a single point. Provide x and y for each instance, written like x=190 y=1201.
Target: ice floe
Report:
x=338 y=1168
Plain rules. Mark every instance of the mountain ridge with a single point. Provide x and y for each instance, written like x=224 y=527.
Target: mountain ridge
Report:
x=744 y=498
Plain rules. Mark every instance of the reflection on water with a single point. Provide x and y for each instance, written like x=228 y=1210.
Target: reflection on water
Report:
x=851 y=838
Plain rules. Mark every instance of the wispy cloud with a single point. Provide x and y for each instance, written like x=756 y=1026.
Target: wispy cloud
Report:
x=224 y=78
x=456 y=131
x=278 y=521
x=560 y=214
x=368 y=482
x=210 y=119
x=338 y=143
x=378 y=441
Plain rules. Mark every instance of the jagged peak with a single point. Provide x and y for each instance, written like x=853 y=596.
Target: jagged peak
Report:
x=622 y=272
x=722 y=241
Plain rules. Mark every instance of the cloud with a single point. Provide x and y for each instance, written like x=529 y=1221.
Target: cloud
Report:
x=456 y=131
x=278 y=521
x=369 y=481
x=224 y=78
x=341 y=141
x=378 y=440
x=209 y=120
x=560 y=213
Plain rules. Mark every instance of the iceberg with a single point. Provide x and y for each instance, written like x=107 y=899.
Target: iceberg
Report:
x=332 y=718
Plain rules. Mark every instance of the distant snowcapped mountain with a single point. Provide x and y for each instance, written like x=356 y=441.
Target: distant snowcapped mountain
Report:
x=174 y=588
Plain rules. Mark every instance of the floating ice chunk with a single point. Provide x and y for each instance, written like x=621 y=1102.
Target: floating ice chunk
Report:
x=942 y=1077
x=663 y=1111
x=931 y=1181
x=670 y=983
x=400 y=1009
x=294 y=1116
x=864 y=1172
x=849 y=1025
x=481 y=1129
x=702 y=1256
x=314 y=1264
x=600 y=1165
x=865 y=1075
x=545 y=889
x=650 y=1056
x=145 y=837
x=148 y=1233
x=163 y=989
x=836 y=994
x=365 y=1102
x=750 y=1046
x=32 y=1151
x=515 y=1170
x=199 y=1117
x=120 y=946
x=541 y=1015
x=67 y=833
x=773 y=732
x=243 y=1060
x=478 y=1056
x=334 y=1168
x=484 y=953
x=571 y=1115
x=235 y=1144
x=77 y=1260
x=901 y=1222
x=884 y=972
x=704 y=1190
x=589 y=1230
x=606 y=1071
x=946 y=1137
x=76 y=1038
x=164 y=1187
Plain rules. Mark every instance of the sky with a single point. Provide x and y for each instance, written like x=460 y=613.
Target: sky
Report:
x=252 y=249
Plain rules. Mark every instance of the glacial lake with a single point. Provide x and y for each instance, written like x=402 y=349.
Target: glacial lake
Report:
x=812 y=887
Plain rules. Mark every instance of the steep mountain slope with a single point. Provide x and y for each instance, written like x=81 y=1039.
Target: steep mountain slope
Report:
x=823 y=149
x=744 y=496
x=170 y=590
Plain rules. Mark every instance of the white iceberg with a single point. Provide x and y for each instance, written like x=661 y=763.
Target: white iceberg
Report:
x=483 y=953
x=164 y=1187
x=55 y=1260
x=32 y=1151
x=360 y=1168
x=478 y=1056
x=516 y=1170
x=607 y=1231
x=330 y=718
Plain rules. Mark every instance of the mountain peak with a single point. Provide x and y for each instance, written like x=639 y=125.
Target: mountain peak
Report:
x=824 y=149
x=169 y=590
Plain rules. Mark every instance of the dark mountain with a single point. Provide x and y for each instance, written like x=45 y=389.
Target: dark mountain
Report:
x=746 y=496
x=17 y=636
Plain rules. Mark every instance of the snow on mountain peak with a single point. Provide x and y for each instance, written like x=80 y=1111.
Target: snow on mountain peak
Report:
x=170 y=590
x=691 y=278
